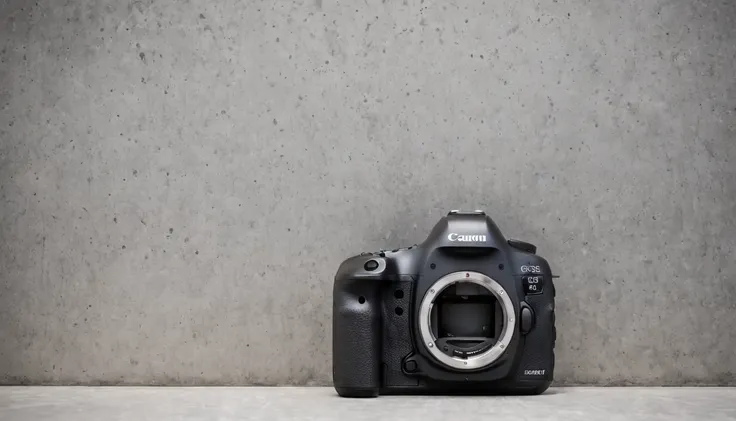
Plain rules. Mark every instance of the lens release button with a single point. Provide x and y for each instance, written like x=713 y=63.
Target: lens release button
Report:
x=370 y=265
x=527 y=320
x=533 y=284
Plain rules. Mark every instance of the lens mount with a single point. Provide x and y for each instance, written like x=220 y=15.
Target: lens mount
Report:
x=474 y=362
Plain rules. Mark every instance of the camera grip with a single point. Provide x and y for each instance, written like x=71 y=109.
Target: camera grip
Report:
x=356 y=337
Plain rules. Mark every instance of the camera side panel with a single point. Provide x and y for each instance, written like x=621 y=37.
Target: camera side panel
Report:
x=397 y=340
x=538 y=358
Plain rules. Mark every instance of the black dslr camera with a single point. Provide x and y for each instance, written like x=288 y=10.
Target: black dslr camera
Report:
x=464 y=312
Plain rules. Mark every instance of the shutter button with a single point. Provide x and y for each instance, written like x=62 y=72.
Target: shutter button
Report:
x=370 y=265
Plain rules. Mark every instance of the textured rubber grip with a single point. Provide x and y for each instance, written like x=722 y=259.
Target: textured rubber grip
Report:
x=356 y=338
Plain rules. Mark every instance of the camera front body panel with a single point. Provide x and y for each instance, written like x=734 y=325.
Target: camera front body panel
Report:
x=466 y=311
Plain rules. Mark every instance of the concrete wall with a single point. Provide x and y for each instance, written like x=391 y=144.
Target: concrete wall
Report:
x=180 y=180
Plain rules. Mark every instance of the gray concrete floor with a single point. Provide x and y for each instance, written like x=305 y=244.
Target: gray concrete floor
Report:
x=286 y=403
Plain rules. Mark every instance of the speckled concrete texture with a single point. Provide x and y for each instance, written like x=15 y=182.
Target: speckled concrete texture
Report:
x=316 y=403
x=180 y=180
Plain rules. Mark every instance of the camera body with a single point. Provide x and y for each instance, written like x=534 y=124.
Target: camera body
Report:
x=465 y=312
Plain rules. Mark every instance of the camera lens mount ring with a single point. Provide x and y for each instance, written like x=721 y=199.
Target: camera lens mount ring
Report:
x=474 y=362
